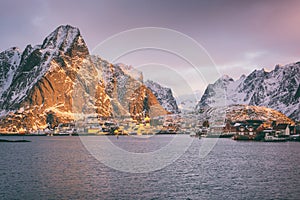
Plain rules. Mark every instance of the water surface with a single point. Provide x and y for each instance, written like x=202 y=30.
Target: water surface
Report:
x=61 y=168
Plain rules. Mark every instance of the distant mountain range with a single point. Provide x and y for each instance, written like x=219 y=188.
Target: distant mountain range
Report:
x=278 y=89
x=60 y=78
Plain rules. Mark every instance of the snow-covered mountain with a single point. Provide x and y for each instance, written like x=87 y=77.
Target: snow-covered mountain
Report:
x=60 y=78
x=278 y=89
x=164 y=95
x=36 y=61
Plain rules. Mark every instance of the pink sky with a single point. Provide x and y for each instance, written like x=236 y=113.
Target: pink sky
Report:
x=240 y=36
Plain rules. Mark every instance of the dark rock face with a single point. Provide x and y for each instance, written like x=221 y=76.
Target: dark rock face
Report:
x=164 y=96
x=209 y=93
x=9 y=63
x=59 y=79
x=277 y=89
x=297 y=95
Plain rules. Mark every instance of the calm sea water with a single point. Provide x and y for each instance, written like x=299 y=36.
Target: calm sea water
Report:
x=61 y=168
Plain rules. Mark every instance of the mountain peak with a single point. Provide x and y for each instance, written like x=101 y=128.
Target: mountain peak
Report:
x=10 y=53
x=13 y=49
x=225 y=77
x=224 y=80
x=265 y=70
x=62 y=38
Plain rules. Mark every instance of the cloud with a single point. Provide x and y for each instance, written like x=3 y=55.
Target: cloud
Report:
x=254 y=55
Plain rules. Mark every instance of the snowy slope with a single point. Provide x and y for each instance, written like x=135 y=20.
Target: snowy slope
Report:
x=9 y=62
x=164 y=96
x=35 y=62
x=278 y=89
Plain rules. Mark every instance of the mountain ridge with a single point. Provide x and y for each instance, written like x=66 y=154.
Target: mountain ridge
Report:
x=277 y=89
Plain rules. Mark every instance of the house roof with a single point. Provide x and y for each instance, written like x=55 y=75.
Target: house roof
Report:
x=253 y=121
x=281 y=126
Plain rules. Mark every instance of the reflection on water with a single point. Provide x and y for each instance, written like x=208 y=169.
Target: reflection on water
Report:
x=61 y=168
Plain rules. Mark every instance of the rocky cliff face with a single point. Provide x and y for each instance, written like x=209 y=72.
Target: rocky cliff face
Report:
x=124 y=86
x=164 y=96
x=277 y=89
x=44 y=81
x=61 y=79
x=245 y=112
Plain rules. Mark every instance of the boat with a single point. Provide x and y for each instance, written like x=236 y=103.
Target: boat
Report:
x=273 y=138
x=193 y=134
x=294 y=137
x=4 y=140
x=245 y=137
x=64 y=129
x=226 y=135
x=93 y=128
x=219 y=135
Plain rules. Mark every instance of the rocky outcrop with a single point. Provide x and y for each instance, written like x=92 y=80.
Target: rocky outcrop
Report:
x=244 y=112
x=144 y=102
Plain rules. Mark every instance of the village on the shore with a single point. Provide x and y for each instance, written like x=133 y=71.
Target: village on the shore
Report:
x=251 y=129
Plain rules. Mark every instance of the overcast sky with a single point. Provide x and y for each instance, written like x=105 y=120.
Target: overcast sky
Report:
x=240 y=36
